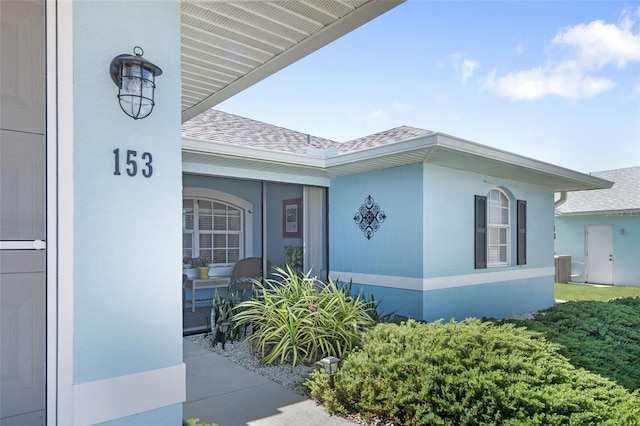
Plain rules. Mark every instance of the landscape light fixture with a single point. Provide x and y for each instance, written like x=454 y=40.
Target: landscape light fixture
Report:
x=135 y=78
x=330 y=365
x=223 y=327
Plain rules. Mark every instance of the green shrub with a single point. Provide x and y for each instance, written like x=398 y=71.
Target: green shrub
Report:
x=469 y=373
x=298 y=319
x=602 y=337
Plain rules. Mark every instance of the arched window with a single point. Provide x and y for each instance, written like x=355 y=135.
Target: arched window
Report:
x=211 y=229
x=498 y=228
x=492 y=237
x=216 y=225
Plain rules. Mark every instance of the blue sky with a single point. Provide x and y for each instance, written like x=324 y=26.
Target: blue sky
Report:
x=555 y=81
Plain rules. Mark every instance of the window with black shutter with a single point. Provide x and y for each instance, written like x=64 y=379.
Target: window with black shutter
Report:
x=522 y=232
x=480 y=232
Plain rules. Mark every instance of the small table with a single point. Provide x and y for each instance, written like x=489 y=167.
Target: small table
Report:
x=211 y=282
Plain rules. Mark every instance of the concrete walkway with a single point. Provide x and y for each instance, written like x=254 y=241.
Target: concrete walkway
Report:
x=223 y=392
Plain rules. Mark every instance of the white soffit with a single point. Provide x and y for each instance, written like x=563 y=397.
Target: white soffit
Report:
x=228 y=46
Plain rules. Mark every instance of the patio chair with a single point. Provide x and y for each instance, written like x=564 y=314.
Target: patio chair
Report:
x=246 y=270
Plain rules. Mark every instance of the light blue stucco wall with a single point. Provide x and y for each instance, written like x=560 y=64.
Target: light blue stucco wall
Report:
x=570 y=240
x=449 y=221
x=396 y=248
x=429 y=234
x=492 y=300
x=127 y=238
x=449 y=246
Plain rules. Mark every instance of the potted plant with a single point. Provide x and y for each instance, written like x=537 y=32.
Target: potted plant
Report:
x=293 y=257
x=203 y=267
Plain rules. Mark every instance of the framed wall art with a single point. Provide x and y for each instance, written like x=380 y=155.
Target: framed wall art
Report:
x=292 y=218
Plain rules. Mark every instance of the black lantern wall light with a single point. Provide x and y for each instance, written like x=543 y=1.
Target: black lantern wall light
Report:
x=136 y=81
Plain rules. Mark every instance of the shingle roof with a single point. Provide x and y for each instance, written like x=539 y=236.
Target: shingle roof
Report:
x=623 y=195
x=396 y=134
x=219 y=139
x=218 y=126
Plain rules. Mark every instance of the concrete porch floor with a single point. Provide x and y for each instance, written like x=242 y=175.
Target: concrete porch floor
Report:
x=222 y=392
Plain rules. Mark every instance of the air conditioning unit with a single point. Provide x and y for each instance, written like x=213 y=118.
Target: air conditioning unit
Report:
x=563 y=268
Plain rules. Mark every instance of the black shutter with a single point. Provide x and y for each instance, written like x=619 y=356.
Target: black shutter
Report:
x=480 y=239
x=522 y=232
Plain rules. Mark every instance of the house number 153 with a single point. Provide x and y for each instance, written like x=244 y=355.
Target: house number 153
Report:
x=132 y=163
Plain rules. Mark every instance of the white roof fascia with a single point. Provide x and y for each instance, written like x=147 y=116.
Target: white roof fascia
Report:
x=608 y=213
x=328 y=34
x=485 y=151
x=591 y=213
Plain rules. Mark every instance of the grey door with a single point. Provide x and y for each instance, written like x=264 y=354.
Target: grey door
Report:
x=22 y=214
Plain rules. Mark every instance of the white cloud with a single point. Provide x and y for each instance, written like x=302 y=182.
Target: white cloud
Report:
x=519 y=49
x=463 y=66
x=597 y=44
x=589 y=48
x=468 y=67
x=537 y=83
x=636 y=88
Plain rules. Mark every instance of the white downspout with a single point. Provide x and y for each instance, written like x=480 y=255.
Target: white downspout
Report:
x=561 y=200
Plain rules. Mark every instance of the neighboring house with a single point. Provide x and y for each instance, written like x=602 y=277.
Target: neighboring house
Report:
x=600 y=230
x=434 y=226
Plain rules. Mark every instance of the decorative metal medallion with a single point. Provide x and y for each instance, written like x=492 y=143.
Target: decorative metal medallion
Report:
x=369 y=217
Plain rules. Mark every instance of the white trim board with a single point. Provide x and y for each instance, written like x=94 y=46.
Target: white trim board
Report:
x=60 y=276
x=437 y=283
x=108 y=399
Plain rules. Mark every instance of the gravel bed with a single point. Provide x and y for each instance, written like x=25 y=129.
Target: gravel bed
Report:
x=240 y=353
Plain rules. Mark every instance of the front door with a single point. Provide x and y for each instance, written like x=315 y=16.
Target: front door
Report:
x=599 y=254
x=22 y=214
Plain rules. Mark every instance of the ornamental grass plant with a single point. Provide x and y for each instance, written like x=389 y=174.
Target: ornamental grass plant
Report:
x=298 y=319
x=469 y=373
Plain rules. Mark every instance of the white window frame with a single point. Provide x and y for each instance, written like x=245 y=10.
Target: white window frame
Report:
x=246 y=210
x=494 y=203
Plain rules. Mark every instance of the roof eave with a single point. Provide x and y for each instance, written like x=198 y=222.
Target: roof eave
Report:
x=442 y=149
x=585 y=213
x=568 y=180
x=328 y=34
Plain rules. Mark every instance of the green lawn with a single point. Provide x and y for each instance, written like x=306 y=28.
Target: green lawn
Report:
x=588 y=292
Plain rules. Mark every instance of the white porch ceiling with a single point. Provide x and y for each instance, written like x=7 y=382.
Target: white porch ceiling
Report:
x=228 y=46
